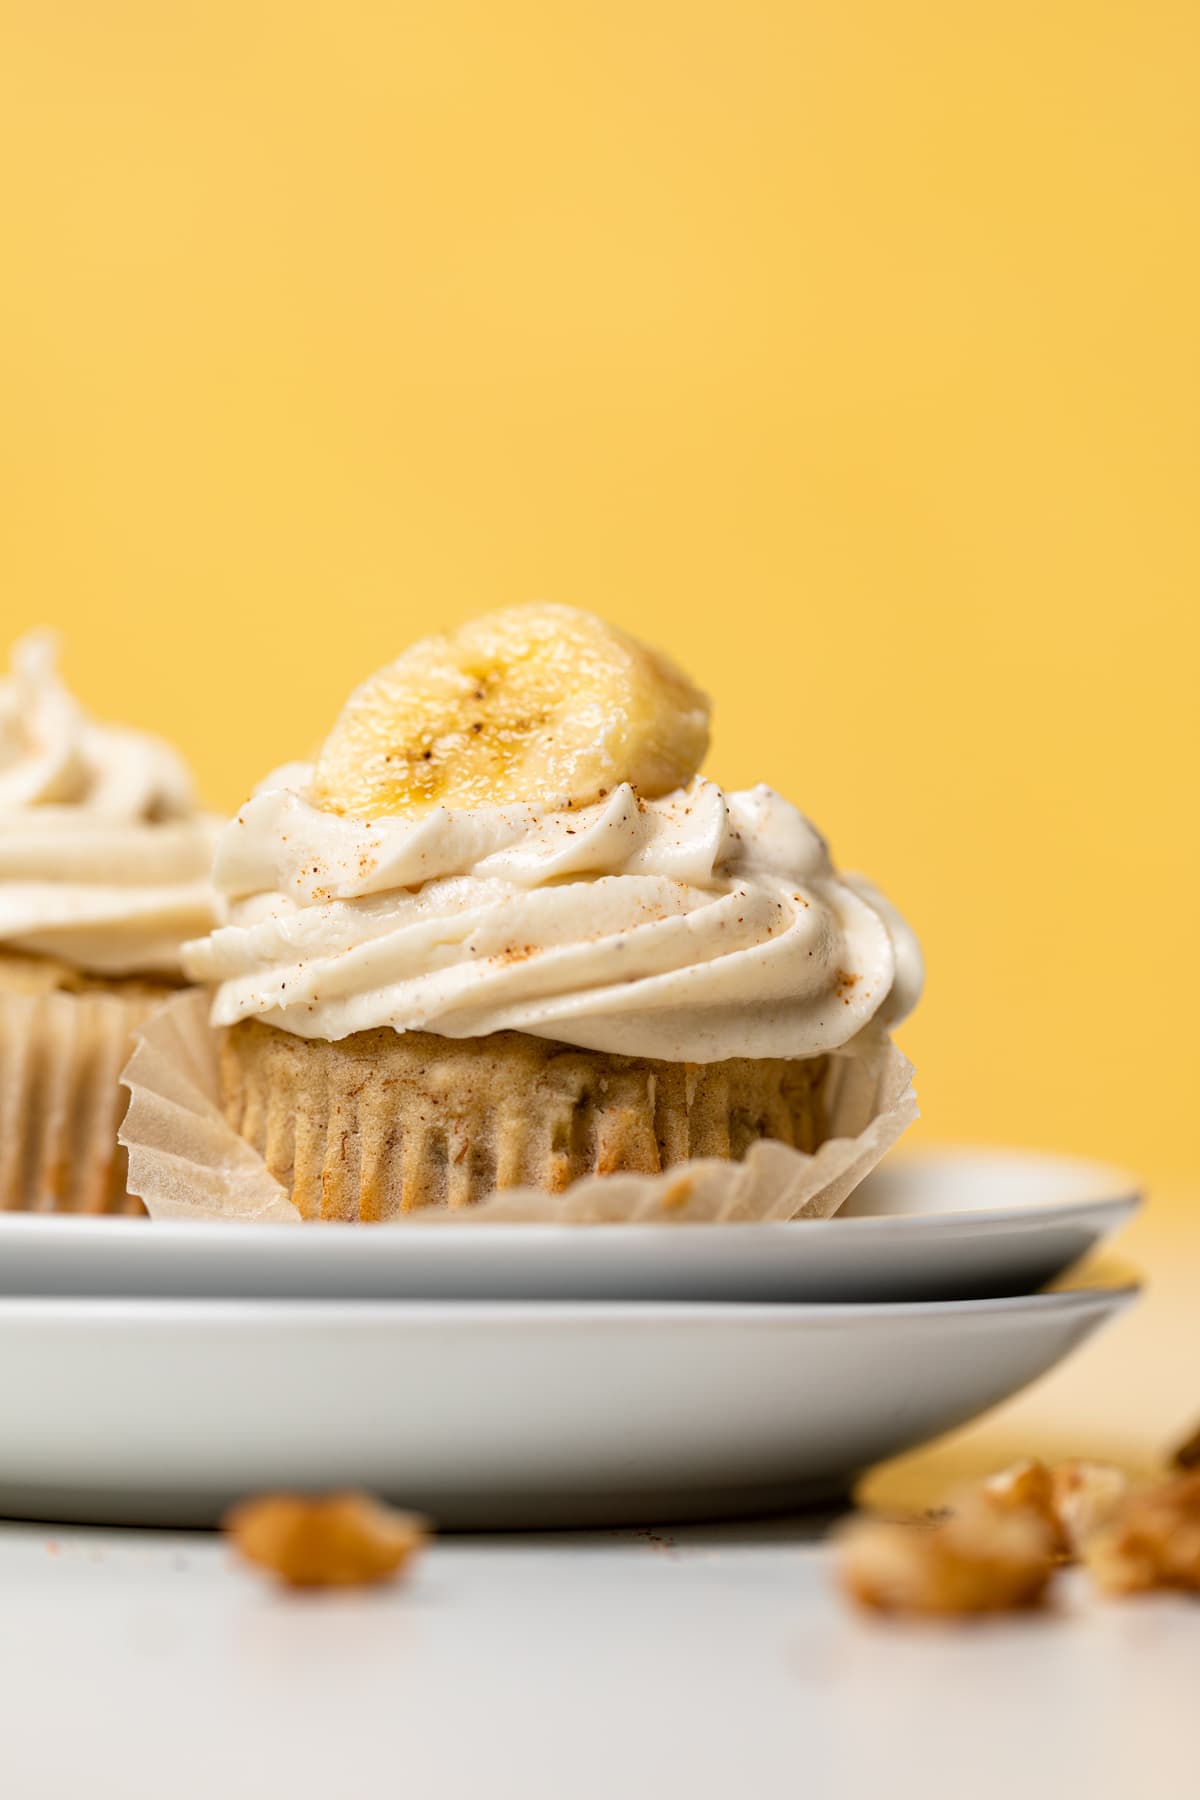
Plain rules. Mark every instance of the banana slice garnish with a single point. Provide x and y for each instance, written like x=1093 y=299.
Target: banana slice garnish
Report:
x=540 y=705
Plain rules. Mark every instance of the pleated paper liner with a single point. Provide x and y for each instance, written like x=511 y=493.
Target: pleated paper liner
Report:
x=384 y=1122
x=61 y=1099
x=186 y=1161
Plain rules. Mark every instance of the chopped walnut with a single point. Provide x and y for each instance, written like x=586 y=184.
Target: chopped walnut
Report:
x=330 y=1540
x=1188 y=1454
x=1153 y=1542
x=982 y=1559
x=1072 y=1499
x=1086 y=1495
x=1024 y=1487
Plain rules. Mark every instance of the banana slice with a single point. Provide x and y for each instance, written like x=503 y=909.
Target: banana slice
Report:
x=535 y=704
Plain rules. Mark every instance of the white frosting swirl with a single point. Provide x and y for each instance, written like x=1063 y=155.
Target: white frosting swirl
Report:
x=104 y=858
x=696 y=927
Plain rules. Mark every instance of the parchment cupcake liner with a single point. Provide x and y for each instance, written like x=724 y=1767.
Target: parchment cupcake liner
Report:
x=61 y=1099
x=386 y=1122
x=187 y=1161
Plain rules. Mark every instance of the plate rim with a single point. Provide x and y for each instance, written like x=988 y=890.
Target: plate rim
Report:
x=328 y=1232
x=109 y=1310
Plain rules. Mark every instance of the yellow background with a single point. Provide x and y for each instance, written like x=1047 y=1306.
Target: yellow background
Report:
x=849 y=351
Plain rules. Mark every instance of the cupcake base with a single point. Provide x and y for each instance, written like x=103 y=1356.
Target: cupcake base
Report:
x=64 y=1039
x=384 y=1123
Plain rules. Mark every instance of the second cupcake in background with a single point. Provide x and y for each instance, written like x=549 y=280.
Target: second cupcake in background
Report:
x=501 y=935
x=104 y=864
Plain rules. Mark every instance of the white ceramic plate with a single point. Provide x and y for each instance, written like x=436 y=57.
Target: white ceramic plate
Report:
x=948 y=1225
x=495 y=1414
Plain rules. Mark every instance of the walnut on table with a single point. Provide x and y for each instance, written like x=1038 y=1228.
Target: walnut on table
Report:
x=1022 y=1487
x=994 y=1547
x=1187 y=1456
x=1074 y=1499
x=980 y=1559
x=1152 y=1542
x=329 y=1540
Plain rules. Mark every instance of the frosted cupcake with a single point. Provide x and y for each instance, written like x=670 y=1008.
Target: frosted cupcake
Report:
x=503 y=935
x=103 y=873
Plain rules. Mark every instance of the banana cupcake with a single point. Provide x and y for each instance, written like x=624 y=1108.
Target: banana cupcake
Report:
x=104 y=865
x=503 y=935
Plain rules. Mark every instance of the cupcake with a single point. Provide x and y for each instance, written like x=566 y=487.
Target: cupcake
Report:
x=103 y=873
x=502 y=934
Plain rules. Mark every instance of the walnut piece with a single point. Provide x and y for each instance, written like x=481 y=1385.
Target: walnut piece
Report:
x=1188 y=1454
x=982 y=1559
x=1024 y=1487
x=329 y=1540
x=1153 y=1542
x=1086 y=1496
x=1072 y=1499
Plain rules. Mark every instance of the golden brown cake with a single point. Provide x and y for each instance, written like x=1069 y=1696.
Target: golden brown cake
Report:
x=382 y=1123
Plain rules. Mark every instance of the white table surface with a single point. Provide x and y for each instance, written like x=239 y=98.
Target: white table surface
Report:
x=707 y=1661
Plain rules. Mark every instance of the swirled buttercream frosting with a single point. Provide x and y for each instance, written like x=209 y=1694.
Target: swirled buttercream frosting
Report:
x=104 y=856
x=694 y=927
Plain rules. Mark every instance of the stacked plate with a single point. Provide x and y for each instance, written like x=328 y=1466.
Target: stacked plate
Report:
x=515 y=1375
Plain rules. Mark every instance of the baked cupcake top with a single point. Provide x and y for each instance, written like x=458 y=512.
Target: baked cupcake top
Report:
x=104 y=856
x=506 y=831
